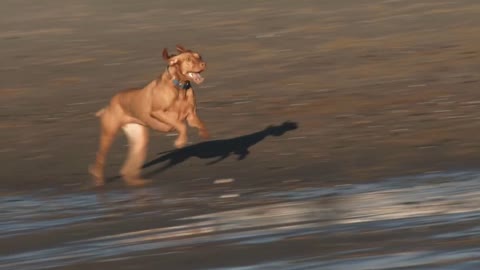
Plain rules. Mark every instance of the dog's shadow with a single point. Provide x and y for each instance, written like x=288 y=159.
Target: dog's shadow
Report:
x=218 y=149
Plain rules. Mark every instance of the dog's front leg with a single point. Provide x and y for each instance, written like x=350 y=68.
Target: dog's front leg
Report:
x=195 y=122
x=163 y=116
x=155 y=124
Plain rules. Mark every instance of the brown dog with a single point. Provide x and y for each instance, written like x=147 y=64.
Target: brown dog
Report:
x=162 y=105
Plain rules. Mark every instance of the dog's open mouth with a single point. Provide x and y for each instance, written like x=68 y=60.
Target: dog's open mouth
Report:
x=197 y=78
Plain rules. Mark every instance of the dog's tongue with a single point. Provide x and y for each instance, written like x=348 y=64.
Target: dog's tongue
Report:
x=197 y=78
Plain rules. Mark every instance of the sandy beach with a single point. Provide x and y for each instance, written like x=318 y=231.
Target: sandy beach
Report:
x=375 y=107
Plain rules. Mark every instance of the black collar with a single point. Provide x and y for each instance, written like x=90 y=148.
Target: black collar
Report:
x=179 y=84
x=185 y=86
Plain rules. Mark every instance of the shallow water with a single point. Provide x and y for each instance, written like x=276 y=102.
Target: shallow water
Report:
x=426 y=221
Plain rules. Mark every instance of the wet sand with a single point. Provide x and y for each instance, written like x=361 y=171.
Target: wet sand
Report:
x=415 y=222
x=377 y=89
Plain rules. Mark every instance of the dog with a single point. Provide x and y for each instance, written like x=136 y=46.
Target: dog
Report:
x=162 y=105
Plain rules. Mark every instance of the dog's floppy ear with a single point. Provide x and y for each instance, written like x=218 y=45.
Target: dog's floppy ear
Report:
x=165 y=54
x=172 y=60
x=181 y=49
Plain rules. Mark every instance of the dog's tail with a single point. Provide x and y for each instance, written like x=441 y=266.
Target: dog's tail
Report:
x=100 y=112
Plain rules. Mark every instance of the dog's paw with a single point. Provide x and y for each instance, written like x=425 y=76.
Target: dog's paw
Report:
x=98 y=179
x=204 y=134
x=180 y=142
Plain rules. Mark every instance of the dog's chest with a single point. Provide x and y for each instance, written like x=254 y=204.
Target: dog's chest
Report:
x=178 y=102
x=182 y=104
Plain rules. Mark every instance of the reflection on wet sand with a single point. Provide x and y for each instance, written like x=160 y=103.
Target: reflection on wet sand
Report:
x=410 y=203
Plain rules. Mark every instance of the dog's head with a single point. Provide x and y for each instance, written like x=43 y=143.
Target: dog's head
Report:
x=187 y=64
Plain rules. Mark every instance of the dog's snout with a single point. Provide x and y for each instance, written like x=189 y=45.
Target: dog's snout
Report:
x=203 y=64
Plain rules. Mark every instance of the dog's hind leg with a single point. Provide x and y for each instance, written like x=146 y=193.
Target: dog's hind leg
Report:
x=109 y=127
x=137 y=136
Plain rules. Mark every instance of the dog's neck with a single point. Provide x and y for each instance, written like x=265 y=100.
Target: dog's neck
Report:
x=176 y=82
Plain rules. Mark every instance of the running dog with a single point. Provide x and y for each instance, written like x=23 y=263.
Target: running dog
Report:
x=162 y=105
